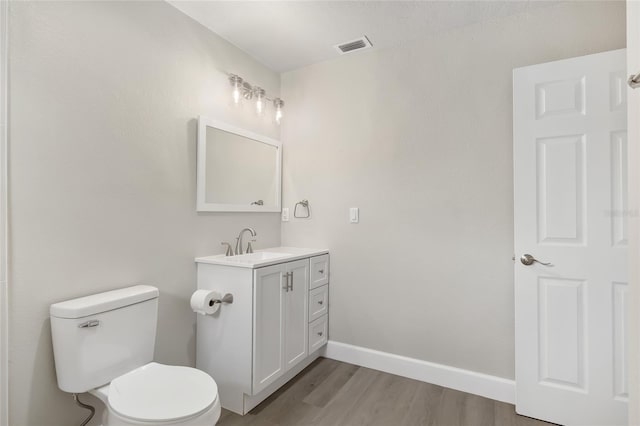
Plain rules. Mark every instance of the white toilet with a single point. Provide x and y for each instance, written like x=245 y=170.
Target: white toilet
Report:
x=103 y=344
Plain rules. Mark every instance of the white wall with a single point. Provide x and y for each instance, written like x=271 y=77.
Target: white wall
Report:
x=420 y=138
x=104 y=97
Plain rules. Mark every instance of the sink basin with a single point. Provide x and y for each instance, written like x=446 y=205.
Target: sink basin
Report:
x=270 y=256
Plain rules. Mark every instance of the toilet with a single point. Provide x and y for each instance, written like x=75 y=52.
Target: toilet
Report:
x=104 y=343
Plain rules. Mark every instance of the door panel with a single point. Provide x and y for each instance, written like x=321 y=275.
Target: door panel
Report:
x=569 y=210
x=561 y=326
x=560 y=189
x=296 y=313
x=268 y=336
x=619 y=188
x=620 y=292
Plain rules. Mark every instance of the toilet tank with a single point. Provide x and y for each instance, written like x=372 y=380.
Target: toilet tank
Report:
x=100 y=337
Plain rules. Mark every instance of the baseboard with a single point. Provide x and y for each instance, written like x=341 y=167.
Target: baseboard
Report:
x=484 y=385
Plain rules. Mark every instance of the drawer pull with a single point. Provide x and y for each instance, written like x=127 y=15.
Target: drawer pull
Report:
x=320 y=333
x=320 y=302
x=288 y=286
x=321 y=271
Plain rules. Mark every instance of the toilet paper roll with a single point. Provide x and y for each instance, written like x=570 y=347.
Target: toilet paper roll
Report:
x=202 y=302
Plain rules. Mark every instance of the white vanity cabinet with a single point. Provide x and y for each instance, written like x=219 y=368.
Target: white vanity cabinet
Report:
x=275 y=327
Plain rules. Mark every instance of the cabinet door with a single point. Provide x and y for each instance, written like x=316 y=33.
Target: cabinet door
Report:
x=296 y=313
x=268 y=329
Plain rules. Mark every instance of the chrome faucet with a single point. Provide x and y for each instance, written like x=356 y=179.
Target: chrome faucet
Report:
x=239 y=241
x=229 y=249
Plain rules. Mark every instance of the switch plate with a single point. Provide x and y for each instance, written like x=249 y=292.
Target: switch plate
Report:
x=285 y=214
x=354 y=215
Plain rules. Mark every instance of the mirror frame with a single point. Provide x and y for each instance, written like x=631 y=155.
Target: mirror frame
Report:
x=201 y=203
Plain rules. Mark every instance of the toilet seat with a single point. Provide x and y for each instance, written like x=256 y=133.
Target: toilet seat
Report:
x=159 y=393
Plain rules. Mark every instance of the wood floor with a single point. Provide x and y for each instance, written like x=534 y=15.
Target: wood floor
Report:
x=332 y=393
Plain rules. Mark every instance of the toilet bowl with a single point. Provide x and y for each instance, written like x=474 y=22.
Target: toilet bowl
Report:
x=104 y=344
x=158 y=394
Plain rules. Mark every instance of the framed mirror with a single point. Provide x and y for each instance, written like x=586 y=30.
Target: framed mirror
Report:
x=238 y=170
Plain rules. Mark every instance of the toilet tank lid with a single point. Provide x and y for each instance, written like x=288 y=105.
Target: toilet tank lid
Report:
x=103 y=302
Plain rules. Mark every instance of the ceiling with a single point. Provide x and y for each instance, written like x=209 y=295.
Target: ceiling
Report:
x=285 y=35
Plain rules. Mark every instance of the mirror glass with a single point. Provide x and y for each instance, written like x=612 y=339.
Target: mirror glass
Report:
x=237 y=170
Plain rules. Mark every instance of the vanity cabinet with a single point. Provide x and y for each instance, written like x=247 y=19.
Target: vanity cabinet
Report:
x=275 y=327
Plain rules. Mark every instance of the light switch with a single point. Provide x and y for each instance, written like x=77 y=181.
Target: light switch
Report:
x=354 y=215
x=285 y=214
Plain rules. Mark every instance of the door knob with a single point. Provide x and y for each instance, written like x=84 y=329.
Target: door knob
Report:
x=634 y=81
x=529 y=260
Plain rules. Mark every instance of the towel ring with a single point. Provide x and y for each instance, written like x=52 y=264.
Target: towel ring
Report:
x=305 y=204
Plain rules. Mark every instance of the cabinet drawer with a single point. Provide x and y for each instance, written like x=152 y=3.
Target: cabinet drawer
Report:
x=318 y=333
x=319 y=271
x=318 y=302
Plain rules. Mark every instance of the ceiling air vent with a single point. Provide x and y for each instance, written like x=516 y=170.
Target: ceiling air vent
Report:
x=353 y=45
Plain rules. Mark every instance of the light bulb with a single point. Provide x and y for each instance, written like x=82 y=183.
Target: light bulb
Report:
x=278 y=104
x=236 y=83
x=259 y=93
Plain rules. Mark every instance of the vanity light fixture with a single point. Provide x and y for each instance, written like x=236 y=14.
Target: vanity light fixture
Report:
x=242 y=88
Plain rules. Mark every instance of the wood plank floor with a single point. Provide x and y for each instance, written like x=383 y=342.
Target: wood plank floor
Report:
x=332 y=393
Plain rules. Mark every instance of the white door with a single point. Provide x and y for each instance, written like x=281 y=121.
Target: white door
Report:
x=268 y=330
x=295 y=313
x=633 y=126
x=570 y=210
x=4 y=300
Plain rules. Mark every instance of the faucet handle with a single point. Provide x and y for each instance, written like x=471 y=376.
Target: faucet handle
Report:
x=249 y=247
x=229 y=249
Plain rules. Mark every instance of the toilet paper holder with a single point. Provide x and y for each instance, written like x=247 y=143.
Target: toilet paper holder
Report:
x=227 y=298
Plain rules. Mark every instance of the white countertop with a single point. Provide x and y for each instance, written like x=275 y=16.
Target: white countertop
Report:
x=263 y=257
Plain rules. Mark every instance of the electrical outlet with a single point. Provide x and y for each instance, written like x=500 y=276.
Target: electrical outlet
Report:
x=285 y=214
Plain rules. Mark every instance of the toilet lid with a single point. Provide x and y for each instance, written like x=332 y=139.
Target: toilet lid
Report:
x=157 y=392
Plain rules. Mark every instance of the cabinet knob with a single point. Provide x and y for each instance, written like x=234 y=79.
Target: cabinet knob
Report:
x=320 y=302
x=320 y=333
x=321 y=271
